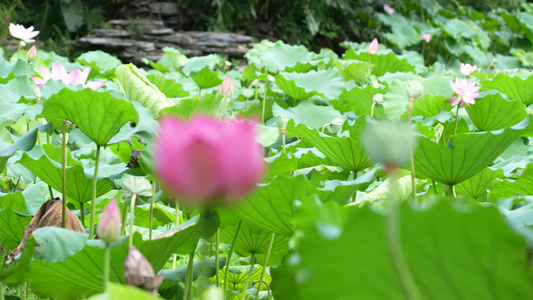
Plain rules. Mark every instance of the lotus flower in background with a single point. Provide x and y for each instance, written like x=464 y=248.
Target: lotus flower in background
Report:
x=24 y=34
x=465 y=91
x=226 y=88
x=206 y=160
x=110 y=222
x=373 y=47
x=32 y=53
x=60 y=73
x=389 y=10
x=467 y=69
x=139 y=272
x=427 y=37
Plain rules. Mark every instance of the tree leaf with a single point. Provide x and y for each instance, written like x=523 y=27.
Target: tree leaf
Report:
x=79 y=187
x=327 y=84
x=467 y=254
x=139 y=89
x=347 y=152
x=492 y=112
x=466 y=155
x=99 y=115
x=515 y=88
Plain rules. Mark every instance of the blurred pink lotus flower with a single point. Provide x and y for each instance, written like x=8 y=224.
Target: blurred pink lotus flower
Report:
x=226 y=88
x=373 y=47
x=24 y=34
x=389 y=10
x=110 y=222
x=32 y=53
x=464 y=92
x=139 y=272
x=427 y=37
x=467 y=69
x=60 y=73
x=205 y=160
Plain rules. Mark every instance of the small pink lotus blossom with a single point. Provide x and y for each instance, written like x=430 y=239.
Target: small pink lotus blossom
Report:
x=427 y=37
x=60 y=73
x=226 y=88
x=467 y=69
x=24 y=34
x=373 y=47
x=205 y=160
x=389 y=10
x=109 y=224
x=464 y=92
x=32 y=53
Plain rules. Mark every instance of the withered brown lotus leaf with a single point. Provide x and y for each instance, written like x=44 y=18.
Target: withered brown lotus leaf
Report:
x=49 y=214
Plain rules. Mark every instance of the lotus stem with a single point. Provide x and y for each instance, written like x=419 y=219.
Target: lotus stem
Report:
x=132 y=217
x=187 y=293
x=394 y=242
x=456 y=119
x=64 y=173
x=152 y=201
x=217 y=245
x=82 y=214
x=265 y=266
x=229 y=256
x=107 y=263
x=264 y=104
x=1 y=290
x=252 y=265
x=93 y=200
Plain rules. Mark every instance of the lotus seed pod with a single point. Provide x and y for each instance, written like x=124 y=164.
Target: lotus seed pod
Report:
x=414 y=89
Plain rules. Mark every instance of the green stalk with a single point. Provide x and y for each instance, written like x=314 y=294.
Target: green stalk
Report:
x=1 y=290
x=264 y=103
x=93 y=200
x=413 y=179
x=50 y=192
x=124 y=216
x=252 y=265
x=456 y=119
x=283 y=141
x=217 y=245
x=226 y=274
x=152 y=201
x=264 y=266
x=394 y=243
x=188 y=277
x=107 y=264
x=64 y=174
x=132 y=217
x=82 y=214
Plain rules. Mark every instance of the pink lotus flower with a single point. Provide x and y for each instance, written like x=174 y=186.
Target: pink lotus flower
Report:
x=60 y=73
x=109 y=224
x=226 y=89
x=205 y=160
x=32 y=53
x=24 y=34
x=373 y=47
x=464 y=92
x=467 y=69
x=427 y=37
x=389 y=10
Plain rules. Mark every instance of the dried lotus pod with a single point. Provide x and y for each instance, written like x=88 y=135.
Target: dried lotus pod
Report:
x=49 y=214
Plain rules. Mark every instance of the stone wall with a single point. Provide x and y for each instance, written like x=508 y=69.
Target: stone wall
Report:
x=151 y=26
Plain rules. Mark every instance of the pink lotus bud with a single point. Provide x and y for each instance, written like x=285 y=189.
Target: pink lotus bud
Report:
x=109 y=224
x=32 y=53
x=140 y=273
x=373 y=47
x=467 y=69
x=205 y=159
x=389 y=10
x=226 y=88
x=427 y=37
